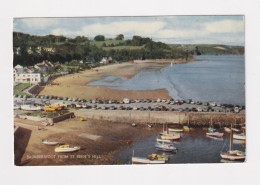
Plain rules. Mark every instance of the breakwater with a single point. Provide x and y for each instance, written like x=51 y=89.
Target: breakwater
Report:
x=161 y=117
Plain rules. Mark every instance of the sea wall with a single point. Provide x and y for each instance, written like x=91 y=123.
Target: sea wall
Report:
x=160 y=117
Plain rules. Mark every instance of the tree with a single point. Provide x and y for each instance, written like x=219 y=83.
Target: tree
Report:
x=99 y=38
x=120 y=37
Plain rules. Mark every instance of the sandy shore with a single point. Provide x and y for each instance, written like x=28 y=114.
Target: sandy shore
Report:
x=75 y=85
x=102 y=151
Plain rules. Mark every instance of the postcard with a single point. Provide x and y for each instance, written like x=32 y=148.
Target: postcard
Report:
x=129 y=90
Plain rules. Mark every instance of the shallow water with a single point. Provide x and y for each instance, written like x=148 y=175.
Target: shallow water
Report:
x=194 y=147
x=213 y=78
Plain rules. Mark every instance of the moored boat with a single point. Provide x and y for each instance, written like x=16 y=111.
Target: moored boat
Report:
x=25 y=101
x=235 y=130
x=158 y=157
x=186 y=128
x=175 y=130
x=31 y=107
x=16 y=107
x=165 y=147
x=46 y=142
x=142 y=160
x=215 y=134
x=66 y=148
x=228 y=130
x=211 y=129
x=163 y=140
x=134 y=125
x=241 y=136
x=170 y=137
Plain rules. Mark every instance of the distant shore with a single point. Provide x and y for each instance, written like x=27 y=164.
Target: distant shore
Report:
x=75 y=85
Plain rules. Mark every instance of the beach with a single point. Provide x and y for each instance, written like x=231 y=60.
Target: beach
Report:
x=75 y=85
x=29 y=149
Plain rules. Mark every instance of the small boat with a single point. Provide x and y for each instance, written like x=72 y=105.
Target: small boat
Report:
x=163 y=140
x=215 y=134
x=16 y=107
x=25 y=101
x=232 y=155
x=134 y=125
x=170 y=137
x=186 y=128
x=52 y=108
x=150 y=125
x=235 y=130
x=239 y=136
x=175 y=130
x=211 y=129
x=228 y=130
x=158 y=157
x=142 y=160
x=128 y=141
x=31 y=107
x=165 y=147
x=66 y=148
x=46 y=142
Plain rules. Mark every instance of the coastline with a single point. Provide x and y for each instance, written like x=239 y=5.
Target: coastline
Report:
x=75 y=85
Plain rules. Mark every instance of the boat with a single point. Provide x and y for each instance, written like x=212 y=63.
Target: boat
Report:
x=52 y=108
x=16 y=107
x=235 y=130
x=228 y=130
x=158 y=157
x=175 y=130
x=186 y=128
x=150 y=125
x=165 y=147
x=163 y=140
x=241 y=136
x=215 y=134
x=211 y=129
x=170 y=137
x=25 y=101
x=46 y=142
x=134 y=125
x=142 y=160
x=31 y=107
x=66 y=148
x=232 y=154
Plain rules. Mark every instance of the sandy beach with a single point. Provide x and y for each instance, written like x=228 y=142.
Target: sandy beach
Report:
x=75 y=85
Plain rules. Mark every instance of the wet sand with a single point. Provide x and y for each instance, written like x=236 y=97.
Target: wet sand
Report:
x=102 y=151
x=75 y=85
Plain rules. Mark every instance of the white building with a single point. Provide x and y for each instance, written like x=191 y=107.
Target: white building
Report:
x=25 y=75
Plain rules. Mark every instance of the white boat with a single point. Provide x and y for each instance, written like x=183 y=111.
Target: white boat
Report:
x=46 y=142
x=232 y=154
x=211 y=129
x=228 y=130
x=16 y=107
x=165 y=147
x=163 y=140
x=235 y=130
x=239 y=136
x=31 y=107
x=215 y=134
x=66 y=148
x=142 y=160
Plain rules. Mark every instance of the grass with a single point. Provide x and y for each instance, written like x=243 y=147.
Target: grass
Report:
x=19 y=88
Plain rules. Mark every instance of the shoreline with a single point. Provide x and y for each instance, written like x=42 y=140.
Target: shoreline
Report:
x=75 y=85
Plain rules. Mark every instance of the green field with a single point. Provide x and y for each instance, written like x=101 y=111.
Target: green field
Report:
x=19 y=88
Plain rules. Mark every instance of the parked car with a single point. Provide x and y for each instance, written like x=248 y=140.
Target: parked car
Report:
x=199 y=109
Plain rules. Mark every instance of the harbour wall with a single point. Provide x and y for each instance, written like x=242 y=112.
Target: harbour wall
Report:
x=161 y=117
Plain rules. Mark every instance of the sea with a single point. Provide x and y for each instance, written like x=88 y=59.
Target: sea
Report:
x=218 y=78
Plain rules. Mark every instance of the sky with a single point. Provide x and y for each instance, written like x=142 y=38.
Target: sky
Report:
x=228 y=30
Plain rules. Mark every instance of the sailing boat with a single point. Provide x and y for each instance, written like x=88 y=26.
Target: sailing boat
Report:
x=233 y=154
x=169 y=136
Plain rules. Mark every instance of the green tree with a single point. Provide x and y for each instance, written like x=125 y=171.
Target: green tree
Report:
x=120 y=37
x=99 y=38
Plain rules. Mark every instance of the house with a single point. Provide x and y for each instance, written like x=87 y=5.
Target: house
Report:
x=18 y=51
x=44 y=66
x=26 y=75
x=104 y=60
x=29 y=51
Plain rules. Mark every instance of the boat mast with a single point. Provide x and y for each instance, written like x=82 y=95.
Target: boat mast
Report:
x=230 y=139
